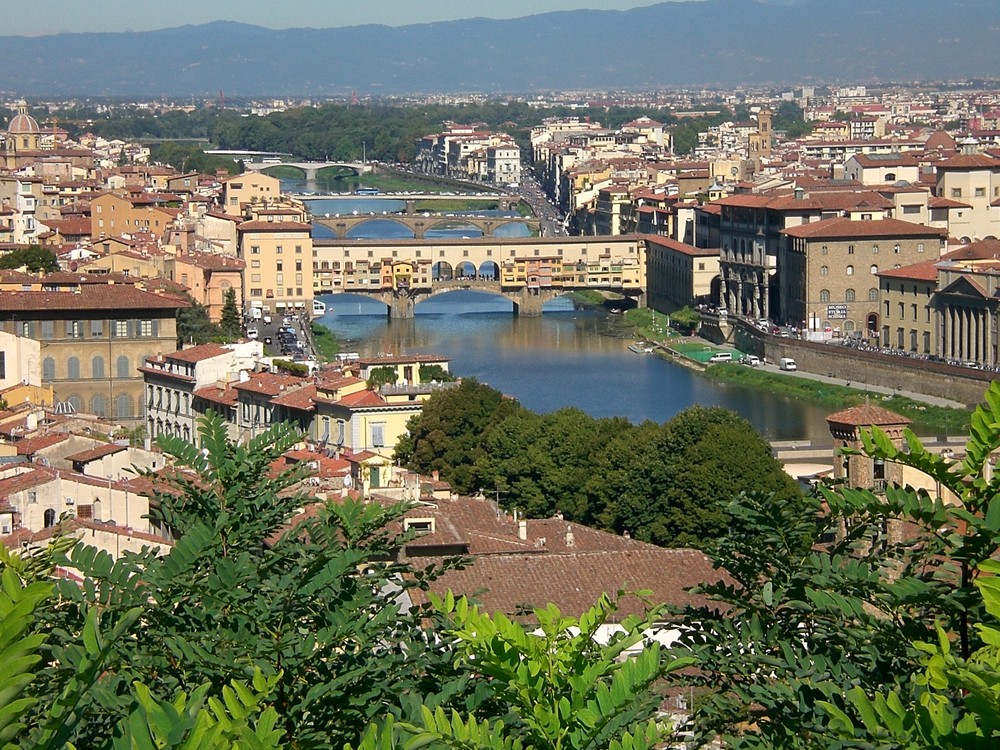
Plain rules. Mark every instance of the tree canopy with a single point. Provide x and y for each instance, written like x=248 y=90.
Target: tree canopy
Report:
x=34 y=257
x=661 y=483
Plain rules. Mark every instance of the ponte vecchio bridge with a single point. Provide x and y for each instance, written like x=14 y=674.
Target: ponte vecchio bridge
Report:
x=527 y=271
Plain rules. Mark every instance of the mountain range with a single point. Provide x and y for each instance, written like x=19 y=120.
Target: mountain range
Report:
x=668 y=45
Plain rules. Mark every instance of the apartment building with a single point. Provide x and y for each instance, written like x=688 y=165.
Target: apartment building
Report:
x=277 y=249
x=93 y=338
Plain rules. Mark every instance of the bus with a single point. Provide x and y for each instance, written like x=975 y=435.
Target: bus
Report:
x=366 y=191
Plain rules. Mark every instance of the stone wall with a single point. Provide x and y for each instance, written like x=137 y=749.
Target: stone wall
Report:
x=930 y=378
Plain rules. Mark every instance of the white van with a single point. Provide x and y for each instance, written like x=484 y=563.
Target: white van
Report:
x=787 y=363
x=721 y=357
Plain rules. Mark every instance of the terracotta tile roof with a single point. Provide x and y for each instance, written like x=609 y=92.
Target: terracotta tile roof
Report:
x=981 y=250
x=274 y=226
x=512 y=583
x=975 y=161
x=198 y=353
x=90 y=297
x=680 y=247
x=924 y=271
x=96 y=452
x=302 y=399
x=268 y=383
x=867 y=415
x=30 y=446
x=937 y=202
x=362 y=399
x=844 y=228
x=226 y=396
x=212 y=261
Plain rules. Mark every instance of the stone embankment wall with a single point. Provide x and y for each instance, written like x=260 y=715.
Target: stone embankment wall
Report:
x=931 y=378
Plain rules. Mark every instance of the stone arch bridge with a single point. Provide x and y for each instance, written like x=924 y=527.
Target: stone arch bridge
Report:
x=527 y=271
x=309 y=169
x=419 y=223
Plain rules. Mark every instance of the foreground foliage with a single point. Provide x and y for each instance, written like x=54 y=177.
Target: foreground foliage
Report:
x=309 y=613
x=828 y=605
x=567 y=683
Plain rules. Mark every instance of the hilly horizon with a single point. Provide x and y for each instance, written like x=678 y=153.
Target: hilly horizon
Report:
x=669 y=45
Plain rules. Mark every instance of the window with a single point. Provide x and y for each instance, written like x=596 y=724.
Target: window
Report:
x=849 y=295
x=96 y=328
x=49 y=517
x=122 y=369
x=255 y=249
x=148 y=328
x=823 y=270
x=956 y=192
x=873 y=295
x=121 y=329
x=920 y=247
x=278 y=250
x=97 y=367
x=378 y=434
x=874 y=249
x=48 y=369
x=25 y=328
x=99 y=406
x=256 y=292
x=850 y=249
x=47 y=329
x=255 y=278
x=824 y=295
x=298 y=265
x=849 y=270
x=279 y=266
x=874 y=269
x=824 y=250
x=298 y=249
x=73 y=368
x=911 y=209
x=73 y=329
x=255 y=264
x=980 y=192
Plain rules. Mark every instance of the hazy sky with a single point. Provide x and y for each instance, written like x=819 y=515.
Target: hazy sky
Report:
x=57 y=16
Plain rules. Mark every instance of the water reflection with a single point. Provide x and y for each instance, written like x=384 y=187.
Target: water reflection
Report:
x=566 y=357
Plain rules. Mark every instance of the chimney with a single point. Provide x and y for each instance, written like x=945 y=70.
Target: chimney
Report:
x=800 y=194
x=522 y=530
x=435 y=475
x=570 y=541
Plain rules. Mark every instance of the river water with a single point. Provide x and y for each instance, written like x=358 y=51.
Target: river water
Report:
x=566 y=357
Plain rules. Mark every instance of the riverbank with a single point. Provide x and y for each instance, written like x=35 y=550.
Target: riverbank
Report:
x=324 y=342
x=927 y=418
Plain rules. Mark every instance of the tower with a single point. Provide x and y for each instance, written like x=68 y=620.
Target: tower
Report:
x=23 y=136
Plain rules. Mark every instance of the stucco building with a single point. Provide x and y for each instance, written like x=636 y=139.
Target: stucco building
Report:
x=828 y=276
x=93 y=338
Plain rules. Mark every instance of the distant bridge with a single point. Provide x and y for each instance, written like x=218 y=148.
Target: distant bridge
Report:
x=420 y=223
x=309 y=168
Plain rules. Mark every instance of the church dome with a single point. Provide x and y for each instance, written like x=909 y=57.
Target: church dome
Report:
x=23 y=123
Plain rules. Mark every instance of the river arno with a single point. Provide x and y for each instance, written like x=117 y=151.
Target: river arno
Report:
x=564 y=358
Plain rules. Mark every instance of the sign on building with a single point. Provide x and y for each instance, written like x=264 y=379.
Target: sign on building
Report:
x=836 y=312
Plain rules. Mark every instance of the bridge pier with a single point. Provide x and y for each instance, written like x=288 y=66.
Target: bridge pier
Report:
x=401 y=304
x=528 y=302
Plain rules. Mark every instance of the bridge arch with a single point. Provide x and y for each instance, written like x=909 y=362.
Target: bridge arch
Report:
x=442 y=271
x=489 y=270
x=465 y=270
x=282 y=171
x=468 y=226
x=353 y=234
x=333 y=171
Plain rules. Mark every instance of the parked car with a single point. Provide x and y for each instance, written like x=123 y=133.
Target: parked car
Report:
x=252 y=333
